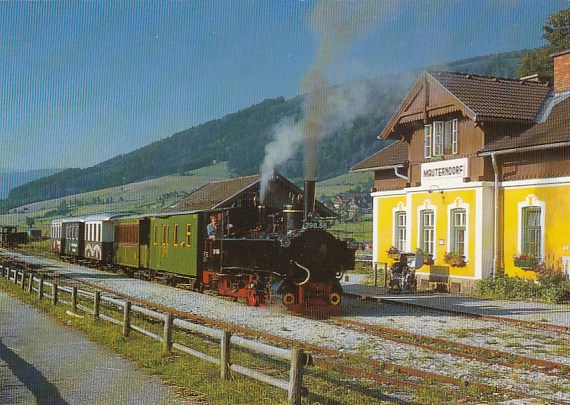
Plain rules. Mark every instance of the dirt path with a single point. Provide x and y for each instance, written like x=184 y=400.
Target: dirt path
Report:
x=42 y=362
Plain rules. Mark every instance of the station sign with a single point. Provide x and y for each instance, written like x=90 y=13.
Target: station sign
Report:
x=444 y=171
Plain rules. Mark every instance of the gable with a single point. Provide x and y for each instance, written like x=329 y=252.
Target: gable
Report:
x=427 y=98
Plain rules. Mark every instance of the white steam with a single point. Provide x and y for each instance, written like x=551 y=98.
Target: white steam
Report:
x=326 y=109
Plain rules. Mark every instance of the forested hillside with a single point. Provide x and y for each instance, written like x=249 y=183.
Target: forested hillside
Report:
x=240 y=139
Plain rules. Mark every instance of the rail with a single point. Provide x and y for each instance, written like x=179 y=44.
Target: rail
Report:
x=53 y=291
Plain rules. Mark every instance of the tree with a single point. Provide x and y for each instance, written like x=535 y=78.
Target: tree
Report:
x=30 y=221
x=557 y=33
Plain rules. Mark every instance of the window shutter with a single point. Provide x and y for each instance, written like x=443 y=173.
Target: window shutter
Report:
x=427 y=141
x=454 y=149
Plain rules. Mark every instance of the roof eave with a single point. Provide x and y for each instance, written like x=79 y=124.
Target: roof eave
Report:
x=526 y=149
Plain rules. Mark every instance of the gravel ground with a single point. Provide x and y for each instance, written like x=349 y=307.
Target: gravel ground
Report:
x=346 y=340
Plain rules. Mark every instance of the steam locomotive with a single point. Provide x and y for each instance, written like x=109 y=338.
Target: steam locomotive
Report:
x=248 y=252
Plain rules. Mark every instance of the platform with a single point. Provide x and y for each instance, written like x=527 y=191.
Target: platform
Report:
x=520 y=310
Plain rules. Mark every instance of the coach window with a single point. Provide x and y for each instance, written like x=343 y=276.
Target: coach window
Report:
x=154 y=235
x=163 y=239
x=175 y=236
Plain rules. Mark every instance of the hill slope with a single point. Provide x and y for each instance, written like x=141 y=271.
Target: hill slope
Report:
x=240 y=139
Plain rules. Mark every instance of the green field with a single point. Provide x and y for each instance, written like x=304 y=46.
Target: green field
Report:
x=153 y=195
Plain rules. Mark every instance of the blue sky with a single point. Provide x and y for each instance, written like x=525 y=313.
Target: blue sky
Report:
x=82 y=82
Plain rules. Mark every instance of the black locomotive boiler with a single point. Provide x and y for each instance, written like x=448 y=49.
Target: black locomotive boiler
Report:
x=289 y=255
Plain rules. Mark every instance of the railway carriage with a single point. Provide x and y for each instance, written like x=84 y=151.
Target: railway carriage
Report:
x=57 y=239
x=99 y=235
x=131 y=243
x=9 y=236
x=73 y=238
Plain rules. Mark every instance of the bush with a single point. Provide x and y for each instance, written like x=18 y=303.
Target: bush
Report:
x=551 y=289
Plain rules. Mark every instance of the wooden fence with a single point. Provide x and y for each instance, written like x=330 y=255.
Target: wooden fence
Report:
x=52 y=291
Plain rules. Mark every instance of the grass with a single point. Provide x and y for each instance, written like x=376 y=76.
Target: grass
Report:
x=199 y=381
x=196 y=379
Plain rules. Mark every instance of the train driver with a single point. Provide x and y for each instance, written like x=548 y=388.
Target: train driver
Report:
x=212 y=228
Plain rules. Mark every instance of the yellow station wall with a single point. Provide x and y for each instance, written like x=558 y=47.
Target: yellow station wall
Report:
x=556 y=199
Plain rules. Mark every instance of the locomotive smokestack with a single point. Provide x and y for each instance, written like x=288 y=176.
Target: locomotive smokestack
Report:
x=309 y=197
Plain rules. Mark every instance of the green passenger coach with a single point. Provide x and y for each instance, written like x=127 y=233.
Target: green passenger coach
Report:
x=174 y=244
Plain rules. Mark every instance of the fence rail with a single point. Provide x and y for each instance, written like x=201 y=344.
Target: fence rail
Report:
x=52 y=291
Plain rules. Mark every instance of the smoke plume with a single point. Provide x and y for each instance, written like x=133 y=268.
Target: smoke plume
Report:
x=326 y=109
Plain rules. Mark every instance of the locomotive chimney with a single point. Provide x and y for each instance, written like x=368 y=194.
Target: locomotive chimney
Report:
x=309 y=198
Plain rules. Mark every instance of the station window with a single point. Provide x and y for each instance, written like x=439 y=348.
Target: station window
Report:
x=441 y=138
x=400 y=230
x=427 y=231
x=531 y=231
x=458 y=230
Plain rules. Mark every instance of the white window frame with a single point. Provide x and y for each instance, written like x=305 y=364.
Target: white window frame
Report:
x=427 y=205
x=531 y=201
x=454 y=141
x=435 y=138
x=400 y=230
x=438 y=137
x=427 y=141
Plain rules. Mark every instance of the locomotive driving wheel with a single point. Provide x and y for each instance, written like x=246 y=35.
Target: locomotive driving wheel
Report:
x=289 y=299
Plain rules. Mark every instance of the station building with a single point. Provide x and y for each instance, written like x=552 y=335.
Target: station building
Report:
x=478 y=177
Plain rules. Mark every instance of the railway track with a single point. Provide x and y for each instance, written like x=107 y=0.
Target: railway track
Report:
x=334 y=360
x=457 y=349
x=361 y=367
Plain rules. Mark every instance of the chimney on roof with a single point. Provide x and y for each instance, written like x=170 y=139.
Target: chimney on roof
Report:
x=561 y=71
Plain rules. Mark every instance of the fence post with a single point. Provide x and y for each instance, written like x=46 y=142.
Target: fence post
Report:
x=295 y=377
x=41 y=288
x=54 y=293
x=126 y=318
x=96 y=303
x=24 y=281
x=225 y=355
x=15 y=276
x=167 y=337
x=74 y=299
x=385 y=274
x=31 y=286
x=375 y=274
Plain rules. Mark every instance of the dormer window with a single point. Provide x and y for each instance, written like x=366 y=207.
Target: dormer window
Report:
x=440 y=138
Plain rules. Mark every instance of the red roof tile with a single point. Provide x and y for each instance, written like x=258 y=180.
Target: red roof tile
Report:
x=392 y=155
x=555 y=129
x=493 y=97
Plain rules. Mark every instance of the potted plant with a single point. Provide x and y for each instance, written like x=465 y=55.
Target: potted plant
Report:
x=393 y=253
x=525 y=261
x=454 y=259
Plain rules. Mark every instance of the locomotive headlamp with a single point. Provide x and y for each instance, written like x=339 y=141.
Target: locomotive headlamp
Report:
x=351 y=243
x=285 y=242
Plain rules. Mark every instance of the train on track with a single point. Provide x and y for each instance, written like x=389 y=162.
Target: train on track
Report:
x=10 y=237
x=247 y=252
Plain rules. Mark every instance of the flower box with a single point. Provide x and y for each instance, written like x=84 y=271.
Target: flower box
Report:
x=525 y=263
x=393 y=253
x=454 y=259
